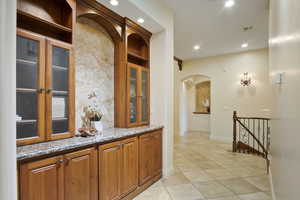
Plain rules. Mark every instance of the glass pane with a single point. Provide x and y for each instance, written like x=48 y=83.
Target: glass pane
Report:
x=144 y=96
x=133 y=95
x=27 y=105
x=60 y=71
x=60 y=113
x=60 y=57
x=27 y=49
x=26 y=75
x=60 y=126
x=26 y=129
x=59 y=106
x=60 y=79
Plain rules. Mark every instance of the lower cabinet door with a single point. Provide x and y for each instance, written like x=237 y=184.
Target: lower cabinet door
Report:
x=81 y=175
x=145 y=158
x=157 y=152
x=110 y=171
x=129 y=168
x=42 y=180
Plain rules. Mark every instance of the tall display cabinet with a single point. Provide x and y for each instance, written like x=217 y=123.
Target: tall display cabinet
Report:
x=137 y=41
x=45 y=70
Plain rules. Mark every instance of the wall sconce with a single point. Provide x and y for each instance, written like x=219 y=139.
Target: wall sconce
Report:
x=246 y=79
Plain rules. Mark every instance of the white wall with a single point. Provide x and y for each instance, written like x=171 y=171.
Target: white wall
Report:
x=8 y=178
x=196 y=122
x=227 y=94
x=162 y=75
x=285 y=57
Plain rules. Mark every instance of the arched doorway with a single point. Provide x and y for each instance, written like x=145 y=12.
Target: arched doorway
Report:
x=195 y=104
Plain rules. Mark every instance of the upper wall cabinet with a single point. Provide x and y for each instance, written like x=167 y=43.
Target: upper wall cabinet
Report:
x=45 y=89
x=52 y=18
x=138 y=74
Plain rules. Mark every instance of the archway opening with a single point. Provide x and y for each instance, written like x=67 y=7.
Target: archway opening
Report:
x=195 y=104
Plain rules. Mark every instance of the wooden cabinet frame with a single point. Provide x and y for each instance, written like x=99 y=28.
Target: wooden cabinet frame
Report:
x=41 y=85
x=49 y=92
x=139 y=70
x=44 y=90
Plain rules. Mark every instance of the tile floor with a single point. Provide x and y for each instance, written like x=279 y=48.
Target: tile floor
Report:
x=208 y=170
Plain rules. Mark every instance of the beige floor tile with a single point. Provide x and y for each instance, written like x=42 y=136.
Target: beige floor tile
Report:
x=261 y=183
x=154 y=193
x=239 y=186
x=175 y=179
x=213 y=189
x=255 y=196
x=227 y=198
x=184 y=192
x=197 y=176
x=198 y=159
x=220 y=174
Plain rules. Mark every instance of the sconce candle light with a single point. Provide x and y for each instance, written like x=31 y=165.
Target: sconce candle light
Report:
x=246 y=79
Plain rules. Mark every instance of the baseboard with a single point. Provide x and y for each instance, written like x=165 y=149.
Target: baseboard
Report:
x=221 y=138
x=271 y=184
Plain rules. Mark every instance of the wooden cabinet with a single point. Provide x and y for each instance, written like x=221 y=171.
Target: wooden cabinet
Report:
x=81 y=175
x=138 y=98
x=69 y=177
x=129 y=167
x=60 y=88
x=30 y=83
x=45 y=89
x=42 y=180
x=110 y=158
x=118 y=168
x=150 y=159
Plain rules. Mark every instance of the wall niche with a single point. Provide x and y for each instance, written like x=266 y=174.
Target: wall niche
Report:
x=94 y=56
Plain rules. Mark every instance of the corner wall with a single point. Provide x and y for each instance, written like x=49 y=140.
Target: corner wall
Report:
x=8 y=168
x=162 y=75
x=285 y=57
x=227 y=94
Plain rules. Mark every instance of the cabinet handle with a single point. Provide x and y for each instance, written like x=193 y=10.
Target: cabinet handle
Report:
x=67 y=161
x=49 y=90
x=41 y=90
x=58 y=163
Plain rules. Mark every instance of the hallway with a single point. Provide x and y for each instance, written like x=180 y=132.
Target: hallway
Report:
x=207 y=170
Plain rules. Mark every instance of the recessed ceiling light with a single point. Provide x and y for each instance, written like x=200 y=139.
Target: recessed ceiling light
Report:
x=140 y=20
x=244 y=45
x=196 y=47
x=114 y=2
x=229 y=3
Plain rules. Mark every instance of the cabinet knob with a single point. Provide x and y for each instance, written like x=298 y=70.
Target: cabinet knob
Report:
x=58 y=163
x=41 y=90
x=49 y=90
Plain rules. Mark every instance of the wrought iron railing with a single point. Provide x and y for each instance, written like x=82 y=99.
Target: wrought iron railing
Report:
x=251 y=135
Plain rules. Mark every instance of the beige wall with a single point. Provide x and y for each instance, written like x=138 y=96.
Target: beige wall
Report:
x=94 y=51
x=162 y=74
x=285 y=57
x=227 y=94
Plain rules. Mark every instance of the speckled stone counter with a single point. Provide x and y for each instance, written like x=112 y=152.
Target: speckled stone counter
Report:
x=41 y=149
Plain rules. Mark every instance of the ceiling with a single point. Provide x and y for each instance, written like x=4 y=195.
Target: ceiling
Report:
x=128 y=9
x=218 y=30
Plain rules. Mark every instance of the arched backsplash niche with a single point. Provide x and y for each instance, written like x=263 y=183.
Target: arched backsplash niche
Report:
x=94 y=53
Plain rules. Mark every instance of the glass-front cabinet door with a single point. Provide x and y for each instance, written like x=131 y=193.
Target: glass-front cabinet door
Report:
x=60 y=90
x=133 y=94
x=144 y=97
x=138 y=98
x=30 y=69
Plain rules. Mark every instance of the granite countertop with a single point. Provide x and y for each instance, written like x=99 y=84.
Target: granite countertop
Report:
x=40 y=149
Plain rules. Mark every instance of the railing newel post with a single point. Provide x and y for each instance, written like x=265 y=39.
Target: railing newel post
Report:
x=234 y=144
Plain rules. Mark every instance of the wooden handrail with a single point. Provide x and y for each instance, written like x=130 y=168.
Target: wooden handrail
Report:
x=257 y=130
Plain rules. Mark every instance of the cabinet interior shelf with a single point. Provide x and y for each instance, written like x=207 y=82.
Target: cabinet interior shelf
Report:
x=26 y=61
x=28 y=16
x=134 y=55
x=26 y=121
